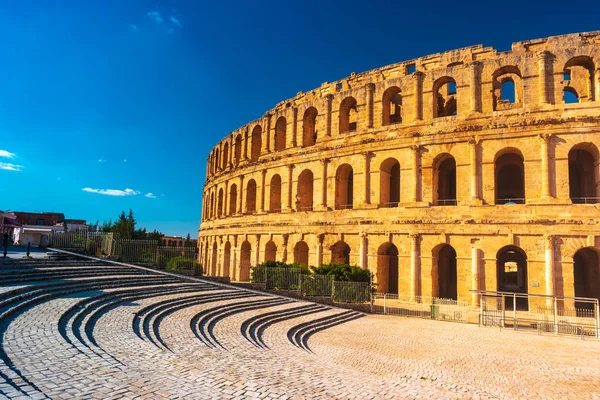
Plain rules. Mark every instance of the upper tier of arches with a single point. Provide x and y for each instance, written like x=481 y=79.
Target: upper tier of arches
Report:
x=447 y=87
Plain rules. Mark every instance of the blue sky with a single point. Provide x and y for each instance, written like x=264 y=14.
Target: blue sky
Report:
x=126 y=98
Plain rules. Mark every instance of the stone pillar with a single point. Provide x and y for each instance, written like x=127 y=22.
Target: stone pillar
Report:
x=262 y=190
x=364 y=250
x=418 y=89
x=266 y=142
x=416 y=154
x=415 y=278
x=370 y=87
x=241 y=196
x=544 y=140
x=475 y=176
x=550 y=273
x=231 y=154
x=475 y=274
x=367 y=197
x=286 y=238
x=225 y=197
x=245 y=138
x=475 y=85
x=542 y=57
x=597 y=85
x=324 y=163
x=319 y=254
x=257 y=251
x=329 y=98
x=219 y=268
x=294 y=126
x=288 y=205
x=234 y=267
x=207 y=168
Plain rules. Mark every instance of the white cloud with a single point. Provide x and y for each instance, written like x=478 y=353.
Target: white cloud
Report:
x=150 y=195
x=112 y=192
x=7 y=154
x=133 y=27
x=155 y=15
x=175 y=21
x=101 y=159
x=10 y=167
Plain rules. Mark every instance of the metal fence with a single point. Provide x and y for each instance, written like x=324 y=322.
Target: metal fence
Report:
x=137 y=251
x=185 y=256
x=421 y=307
x=93 y=243
x=351 y=292
x=316 y=285
x=283 y=278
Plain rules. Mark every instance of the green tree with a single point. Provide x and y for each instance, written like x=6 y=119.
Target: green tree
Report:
x=188 y=241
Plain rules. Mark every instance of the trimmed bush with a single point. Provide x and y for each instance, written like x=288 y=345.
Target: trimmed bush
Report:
x=182 y=263
x=258 y=273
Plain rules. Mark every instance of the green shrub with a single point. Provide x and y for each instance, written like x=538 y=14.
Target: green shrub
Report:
x=258 y=273
x=344 y=272
x=181 y=263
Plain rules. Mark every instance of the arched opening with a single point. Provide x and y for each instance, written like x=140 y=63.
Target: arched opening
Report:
x=217 y=164
x=233 y=199
x=245 y=254
x=389 y=183
x=238 y=149
x=275 y=194
x=225 y=155
x=256 y=143
x=586 y=270
x=583 y=174
x=340 y=253
x=348 y=115
x=511 y=265
x=387 y=268
x=213 y=268
x=309 y=127
x=444 y=181
x=344 y=187
x=251 y=196
x=212 y=204
x=226 y=259
x=220 y=204
x=392 y=106
x=509 y=176
x=270 y=251
x=579 y=80
x=444 y=97
x=304 y=198
x=507 y=88
x=444 y=272
x=280 y=133
x=301 y=253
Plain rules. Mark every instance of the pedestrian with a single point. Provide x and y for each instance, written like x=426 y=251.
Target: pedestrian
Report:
x=5 y=242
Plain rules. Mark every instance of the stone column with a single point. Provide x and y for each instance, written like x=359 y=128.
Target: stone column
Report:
x=219 y=268
x=321 y=238
x=266 y=142
x=475 y=196
x=234 y=267
x=542 y=57
x=294 y=126
x=370 y=87
x=367 y=198
x=241 y=196
x=415 y=278
x=550 y=274
x=257 y=251
x=475 y=85
x=207 y=168
x=416 y=154
x=364 y=249
x=231 y=154
x=597 y=85
x=329 y=98
x=262 y=190
x=286 y=238
x=418 y=89
x=288 y=206
x=225 y=197
x=544 y=140
x=324 y=163
x=475 y=274
x=245 y=138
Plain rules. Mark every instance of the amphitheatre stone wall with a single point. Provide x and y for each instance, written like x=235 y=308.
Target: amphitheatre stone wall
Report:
x=471 y=169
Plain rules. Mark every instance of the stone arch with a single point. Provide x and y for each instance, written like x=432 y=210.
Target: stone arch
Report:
x=217 y=162
x=251 y=196
x=304 y=198
x=340 y=253
x=344 y=187
x=348 y=115
x=309 y=127
x=511 y=268
x=245 y=257
x=275 y=194
x=220 y=204
x=444 y=97
x=509 y=177
x=232 y=199
x=212 y=204
x=444 y=180
x=280 y=133
x=389 y=183
x=584 y=182
x=213 y=264
x=226 y=259
x=238 y=149
x=586 y=274
x=270 y=251
x=579 y=78
x=256 y=143
x=392 y=106
x=507 y=88
x=301 y=253
x=444 y=272
x=387 y=268
x=225 y=155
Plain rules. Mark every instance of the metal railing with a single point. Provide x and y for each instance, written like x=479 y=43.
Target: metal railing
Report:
x=137 y=251
x=445 y=202
x=585 y=200
x=351 y=292
x=92 y=243
x=313 y=285
x=185 y=257
x=421 y=307
x=509 y=201
x=283 y=278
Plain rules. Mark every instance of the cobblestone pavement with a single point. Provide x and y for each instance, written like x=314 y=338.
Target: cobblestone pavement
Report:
x=80 y=329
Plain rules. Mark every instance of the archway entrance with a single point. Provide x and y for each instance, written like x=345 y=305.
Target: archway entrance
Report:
x=226 y=259
x=586 y=270
x=301 y=253
x=387 y=269
x=445 y=269
x=511 y=265
x=245 y=262
x=340 y=253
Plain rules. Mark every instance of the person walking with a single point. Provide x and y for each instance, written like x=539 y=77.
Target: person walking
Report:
x=5 y=242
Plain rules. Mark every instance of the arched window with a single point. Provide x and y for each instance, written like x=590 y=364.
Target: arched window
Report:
x=387 y=268
x=270 y=251
x=233 y=199
x=304 y=198
x=238 y=149
x=275 y=194
x=280 y=133
x=220 y=204
x=392 y=106
x=579 y=79
x=309 y=127
x=444 y=272
x=570 y=96
x=509 y=176
x=225 y=155
x=348 y=115
x=389 y=183
x=507 y=87
x=217 y=158
x=586 y=270
x=256 y=143
x=340 y=253
x=583 y=174
x=245 y=254
x=511 y=265
x=301 y=253
x=251 y=196
x=444 y=181
x=344 y=187
x=444 y=97
x=226 y=259
x=213 y=268
x=212 y=205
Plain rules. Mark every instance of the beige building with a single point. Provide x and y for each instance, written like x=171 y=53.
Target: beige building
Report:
x=467 y=170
